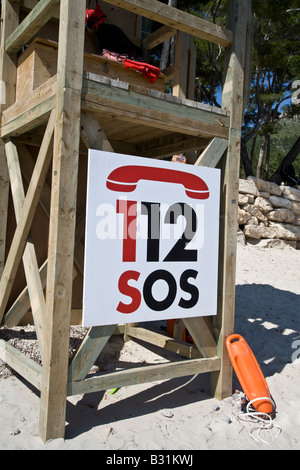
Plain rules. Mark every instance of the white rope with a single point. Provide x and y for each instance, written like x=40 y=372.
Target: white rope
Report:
x=266 y=423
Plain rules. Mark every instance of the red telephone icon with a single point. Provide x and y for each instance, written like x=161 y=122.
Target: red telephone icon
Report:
x=126 y=178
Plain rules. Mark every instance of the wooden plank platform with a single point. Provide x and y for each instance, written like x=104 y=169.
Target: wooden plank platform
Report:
x=136 y=116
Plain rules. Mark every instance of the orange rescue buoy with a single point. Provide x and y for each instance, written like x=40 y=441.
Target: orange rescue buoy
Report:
x=249 y=373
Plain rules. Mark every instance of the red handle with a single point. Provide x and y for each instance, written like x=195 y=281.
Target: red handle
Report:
x=126 y=178
x=233 y=338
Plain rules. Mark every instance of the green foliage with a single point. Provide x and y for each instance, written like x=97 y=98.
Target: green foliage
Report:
x=284 y=137
x=210 y=57
x=275 y=66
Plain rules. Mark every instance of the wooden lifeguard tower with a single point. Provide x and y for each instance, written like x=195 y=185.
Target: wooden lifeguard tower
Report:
x=59 y=98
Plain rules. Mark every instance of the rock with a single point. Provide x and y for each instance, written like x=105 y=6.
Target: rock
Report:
x=266 y=186
x=269 y=212
x=243 y=216
x=255 y=212
x=167 y=413
x=251 y=231
x=248 y=187
x=290 y=193
x=282 y=215
x=243 y=199
x=263 y=204
x=264 y=194
x=280 y=202
x=285 y=231
x=253 y=221
x=297 y=220
x=296 y=208
x=271 y=243
x=236 y=395
x=225 y=418
x=254 y=231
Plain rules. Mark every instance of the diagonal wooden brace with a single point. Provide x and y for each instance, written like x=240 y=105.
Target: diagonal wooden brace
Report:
x=33 y=278
x=23 y=227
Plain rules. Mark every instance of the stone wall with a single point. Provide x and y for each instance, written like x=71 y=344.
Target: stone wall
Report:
x=268 y=214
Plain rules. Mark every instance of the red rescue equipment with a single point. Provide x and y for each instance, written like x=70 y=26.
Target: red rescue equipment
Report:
x=249 y=373
x=94 y=17
x=149 y=71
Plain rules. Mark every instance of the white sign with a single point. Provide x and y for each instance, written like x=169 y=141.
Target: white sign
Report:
x=152 y=236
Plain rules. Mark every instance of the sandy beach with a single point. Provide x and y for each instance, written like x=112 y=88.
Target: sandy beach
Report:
x=180 y=414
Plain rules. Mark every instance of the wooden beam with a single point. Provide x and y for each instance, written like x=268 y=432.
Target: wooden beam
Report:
x=168 y=72
x=8 y=75
x=92 y=133
x=159 y=36
x=25 y=221
x=97 y=337
x=213 y=153
x=191 y=71
x=162 y=341
x=34 y=21
x=28 y=5
x=45 y=202
x=4 y=196
x=62 y=219
x=22 y=304
x=32 y=111
x=10 y=21
x=158 y=111
x=181 y=66
x=144 y=374
x=170 y=145
x=176 y=19
x=232 y=100
x=248 y=57
x=27 y=168
x=22 y=364
x=89 y=350
x=201 y=335
x=31 y=268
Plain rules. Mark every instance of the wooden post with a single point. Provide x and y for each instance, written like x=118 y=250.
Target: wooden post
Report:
x=10 y=20
x=181 y=65
x=185 y=66
x=233 y=90
x=62 y=219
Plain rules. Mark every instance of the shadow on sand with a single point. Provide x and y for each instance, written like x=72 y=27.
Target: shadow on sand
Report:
x=268 y=319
